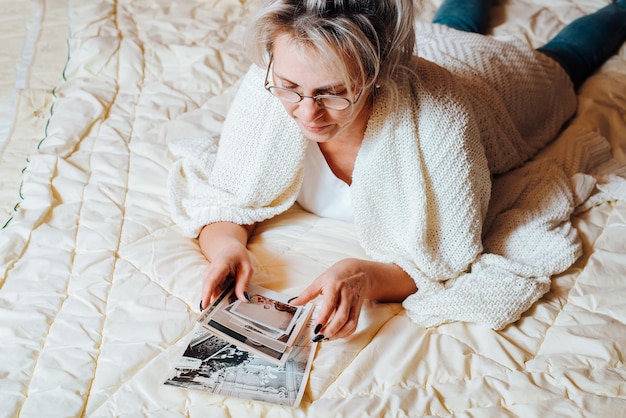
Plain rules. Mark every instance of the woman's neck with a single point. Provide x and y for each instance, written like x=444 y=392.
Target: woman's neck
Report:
x=340 y=153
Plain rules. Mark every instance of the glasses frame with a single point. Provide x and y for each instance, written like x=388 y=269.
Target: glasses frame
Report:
x=317 y=98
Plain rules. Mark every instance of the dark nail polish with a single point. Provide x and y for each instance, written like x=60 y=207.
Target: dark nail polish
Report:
x=318 y=338
x=200 y=305
x=245 y=294
x=318 y=328
x=289 y=301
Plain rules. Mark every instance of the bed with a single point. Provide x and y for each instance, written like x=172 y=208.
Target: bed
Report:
x=99 y=289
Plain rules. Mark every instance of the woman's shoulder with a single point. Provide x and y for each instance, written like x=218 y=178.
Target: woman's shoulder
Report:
x=430 y=85
x=252 y=81
x=252 y=102
x=425 y=72
x=424 y=97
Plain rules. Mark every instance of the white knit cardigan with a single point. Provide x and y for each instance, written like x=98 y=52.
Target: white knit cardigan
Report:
x=422 y=190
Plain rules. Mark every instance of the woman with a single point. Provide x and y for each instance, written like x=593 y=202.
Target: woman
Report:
x=358 y=128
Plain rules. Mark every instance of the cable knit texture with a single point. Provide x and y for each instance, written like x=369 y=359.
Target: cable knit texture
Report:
x=423 y=198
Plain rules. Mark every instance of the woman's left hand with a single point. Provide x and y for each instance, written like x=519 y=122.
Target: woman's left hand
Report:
x=345 y=286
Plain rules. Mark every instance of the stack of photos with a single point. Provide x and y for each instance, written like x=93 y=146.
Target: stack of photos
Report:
x=213 y=365
x=259 y=350
x=267 y=325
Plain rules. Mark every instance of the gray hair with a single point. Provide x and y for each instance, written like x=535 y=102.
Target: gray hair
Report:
x=366 y=41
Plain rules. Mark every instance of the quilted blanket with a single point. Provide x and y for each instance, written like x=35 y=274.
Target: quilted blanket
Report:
x=99 y=289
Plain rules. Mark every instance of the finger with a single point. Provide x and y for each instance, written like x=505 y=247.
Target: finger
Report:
x=345 y=317
x=350 y=325
x=212 y=279
x=307 y=295
x=336 y=322
x=329 y=305
x=242 y=280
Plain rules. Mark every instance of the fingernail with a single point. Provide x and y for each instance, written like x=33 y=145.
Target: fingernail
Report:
x=318 y=338
x=295 y=297
x=318 y=328
x=201 y=306
x=245 y=294
x=324 y=340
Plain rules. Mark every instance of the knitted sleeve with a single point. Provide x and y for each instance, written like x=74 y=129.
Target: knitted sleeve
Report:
x=251 y=173
x=528 y=239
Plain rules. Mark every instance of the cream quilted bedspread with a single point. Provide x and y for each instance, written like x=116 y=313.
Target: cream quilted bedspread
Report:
x=99 y=289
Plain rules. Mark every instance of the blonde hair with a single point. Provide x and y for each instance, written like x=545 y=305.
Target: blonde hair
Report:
x=366 y=41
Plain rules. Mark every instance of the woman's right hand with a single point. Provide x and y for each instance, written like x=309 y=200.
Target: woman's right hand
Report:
x=224 y=245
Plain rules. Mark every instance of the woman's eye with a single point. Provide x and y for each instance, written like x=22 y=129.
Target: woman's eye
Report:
x=289 y=86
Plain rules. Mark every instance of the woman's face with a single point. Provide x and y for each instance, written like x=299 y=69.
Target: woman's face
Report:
x=297 y=68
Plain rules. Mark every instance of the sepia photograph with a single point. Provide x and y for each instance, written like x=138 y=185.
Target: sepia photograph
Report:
x=213 y=365
x=266 y=325
x=267 y=312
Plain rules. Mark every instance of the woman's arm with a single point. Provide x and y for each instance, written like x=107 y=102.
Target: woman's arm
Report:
x=244 y=173
x=224 y=245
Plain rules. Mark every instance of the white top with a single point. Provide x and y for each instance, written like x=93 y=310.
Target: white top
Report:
x=322 y=193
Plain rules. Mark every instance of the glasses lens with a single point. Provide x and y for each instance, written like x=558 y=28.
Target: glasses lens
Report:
x=284 y=94
x=334 y=102
x=328 y=102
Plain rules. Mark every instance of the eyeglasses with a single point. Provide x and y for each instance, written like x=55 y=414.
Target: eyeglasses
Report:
x=326 y=101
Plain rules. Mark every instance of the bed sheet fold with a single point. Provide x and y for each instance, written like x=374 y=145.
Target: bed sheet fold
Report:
x=34 y=53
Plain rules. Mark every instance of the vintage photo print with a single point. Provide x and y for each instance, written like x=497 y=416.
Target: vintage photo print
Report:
x=213 y=365
x=265 y=325
x=267 y=312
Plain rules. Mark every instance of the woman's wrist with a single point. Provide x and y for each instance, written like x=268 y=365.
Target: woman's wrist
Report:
x=388 y=282
x=214 y=238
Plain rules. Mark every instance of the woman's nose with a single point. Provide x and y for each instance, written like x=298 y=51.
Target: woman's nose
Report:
x=309 y=109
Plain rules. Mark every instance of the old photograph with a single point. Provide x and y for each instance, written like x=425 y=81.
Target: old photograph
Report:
x=267 y=312
x=266 y=325
x=213 y=365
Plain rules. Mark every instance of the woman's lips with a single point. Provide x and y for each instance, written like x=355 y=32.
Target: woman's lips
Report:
x=315 y=129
